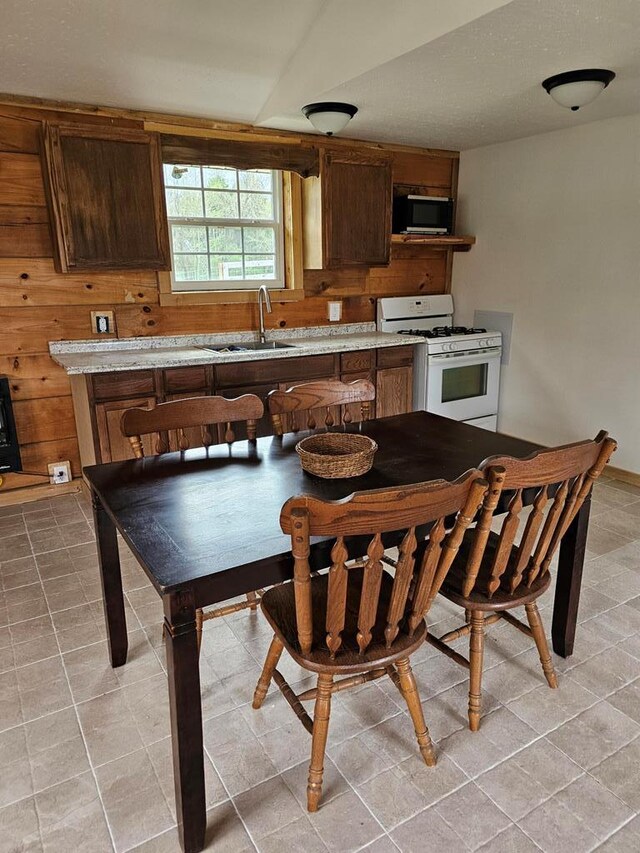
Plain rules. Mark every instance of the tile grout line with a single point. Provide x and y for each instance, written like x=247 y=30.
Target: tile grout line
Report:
x=78 y=723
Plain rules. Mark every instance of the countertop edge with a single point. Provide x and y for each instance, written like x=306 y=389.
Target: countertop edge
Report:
x=79 y=362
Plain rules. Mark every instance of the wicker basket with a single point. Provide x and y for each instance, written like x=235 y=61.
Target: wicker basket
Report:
x=335 y=455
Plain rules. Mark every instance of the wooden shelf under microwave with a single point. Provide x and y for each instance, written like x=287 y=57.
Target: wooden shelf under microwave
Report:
x=436 y=241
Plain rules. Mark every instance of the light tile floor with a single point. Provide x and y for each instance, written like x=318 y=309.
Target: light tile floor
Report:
x=85 y=750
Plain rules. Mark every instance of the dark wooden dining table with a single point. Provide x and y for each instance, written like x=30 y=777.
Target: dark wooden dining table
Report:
x=204 y=526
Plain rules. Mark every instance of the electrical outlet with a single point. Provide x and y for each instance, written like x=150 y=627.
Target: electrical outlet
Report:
x=59 y=472
x=334 y=311
x=103 y=323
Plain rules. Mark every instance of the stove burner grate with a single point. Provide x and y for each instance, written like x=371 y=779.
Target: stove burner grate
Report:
x=442 y=331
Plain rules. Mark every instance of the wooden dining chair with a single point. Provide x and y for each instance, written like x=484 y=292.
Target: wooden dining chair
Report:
x=357 y=620
x=496 y=572
x=172 y=423
x=323 y=394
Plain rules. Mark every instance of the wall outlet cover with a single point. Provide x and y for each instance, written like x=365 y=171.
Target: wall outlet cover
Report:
x=334 y=311
x=59 y=472
x=103 y=323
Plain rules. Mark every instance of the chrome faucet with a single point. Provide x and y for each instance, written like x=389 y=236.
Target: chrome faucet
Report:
x=263 y=294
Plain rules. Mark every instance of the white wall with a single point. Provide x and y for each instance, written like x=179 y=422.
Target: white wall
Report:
x=557 y=220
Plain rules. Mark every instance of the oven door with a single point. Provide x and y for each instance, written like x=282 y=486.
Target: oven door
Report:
x=465 y=385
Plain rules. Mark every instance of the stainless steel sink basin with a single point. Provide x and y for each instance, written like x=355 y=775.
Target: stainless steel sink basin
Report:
x=249 y=346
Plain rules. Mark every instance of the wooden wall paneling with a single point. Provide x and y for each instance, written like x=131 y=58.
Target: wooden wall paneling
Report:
x=25 y=241
x=18 y=214
x=47 y=419
x=35 y=282
x=19 y=134
x=21 y=179
x=133 y=320
x=29 y=330
x=30 y=109
x=416 y=168
x=335 y=283
x=36 y=457
x=32 y=377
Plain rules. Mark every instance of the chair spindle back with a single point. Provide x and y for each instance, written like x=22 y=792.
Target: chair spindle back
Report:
x=371 y=514
x=573 y=469
x=319 y=395
x=194 y=412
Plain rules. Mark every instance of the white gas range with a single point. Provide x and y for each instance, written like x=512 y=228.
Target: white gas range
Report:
x=456 y=370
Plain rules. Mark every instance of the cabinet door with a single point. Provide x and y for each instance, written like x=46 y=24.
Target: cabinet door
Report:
x=356 y=211
x=114 y=447
x=394 y=391
x=106 y=198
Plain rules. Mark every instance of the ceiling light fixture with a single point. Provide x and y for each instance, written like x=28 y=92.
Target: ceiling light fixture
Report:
x=329 y=116
x=575 y=89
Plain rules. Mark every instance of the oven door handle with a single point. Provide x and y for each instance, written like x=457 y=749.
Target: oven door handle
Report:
x=468 y=358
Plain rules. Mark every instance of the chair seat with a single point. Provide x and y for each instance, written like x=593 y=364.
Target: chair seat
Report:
x=278 y=605
x=502 y=598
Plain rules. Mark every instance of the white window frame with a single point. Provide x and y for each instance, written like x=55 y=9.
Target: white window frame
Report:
x=222 y=285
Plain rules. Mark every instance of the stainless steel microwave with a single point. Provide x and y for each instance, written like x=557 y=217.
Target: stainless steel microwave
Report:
x=422 y=214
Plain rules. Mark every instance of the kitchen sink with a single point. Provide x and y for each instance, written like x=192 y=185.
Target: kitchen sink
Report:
x=249 y=346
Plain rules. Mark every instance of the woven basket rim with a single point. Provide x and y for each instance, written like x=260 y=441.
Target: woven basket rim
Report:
x=348 y=463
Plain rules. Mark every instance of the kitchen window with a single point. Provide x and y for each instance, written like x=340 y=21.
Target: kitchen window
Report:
x=226 y=228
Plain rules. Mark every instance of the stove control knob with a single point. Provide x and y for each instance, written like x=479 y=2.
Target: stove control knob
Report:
x=452 y=347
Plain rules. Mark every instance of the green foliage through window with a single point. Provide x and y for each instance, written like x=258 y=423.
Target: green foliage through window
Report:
x=226 y=227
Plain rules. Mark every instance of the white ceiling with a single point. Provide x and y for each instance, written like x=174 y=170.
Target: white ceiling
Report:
x=456 y=75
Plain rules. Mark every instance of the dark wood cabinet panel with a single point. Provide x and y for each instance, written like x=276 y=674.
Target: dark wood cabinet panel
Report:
x=395 y=357
x=356 y=362
x=113 y=446
x=347 y=211
x=105 y=396
x=106 y=198
x=179 y=379
x=128 y=383
x=356 y=211
x=275 y=370
x=394 y=391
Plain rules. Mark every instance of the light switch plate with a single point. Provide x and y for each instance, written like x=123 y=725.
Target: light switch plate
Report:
x=103 y=323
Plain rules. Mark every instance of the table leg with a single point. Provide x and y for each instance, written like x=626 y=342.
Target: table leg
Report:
x=112 y=596
x=186 y=718
x=567 y=597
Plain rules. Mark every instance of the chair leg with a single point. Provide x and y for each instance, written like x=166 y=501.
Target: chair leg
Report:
x=537 y=629
x=476 y=655
x=253 y=599
x=321 y=716
x=199 y=622
x=409 y=690
x=271 y=662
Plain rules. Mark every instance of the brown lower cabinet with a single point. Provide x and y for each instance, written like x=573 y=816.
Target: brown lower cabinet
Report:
x=100 y=399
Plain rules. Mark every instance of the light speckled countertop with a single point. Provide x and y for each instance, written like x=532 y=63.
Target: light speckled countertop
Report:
x=96 y=356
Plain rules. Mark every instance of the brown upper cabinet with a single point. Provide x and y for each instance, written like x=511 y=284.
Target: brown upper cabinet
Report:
x=106 y=198
x=347 y=211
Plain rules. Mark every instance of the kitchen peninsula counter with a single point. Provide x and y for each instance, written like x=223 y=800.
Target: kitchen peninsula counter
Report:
x=109 y=377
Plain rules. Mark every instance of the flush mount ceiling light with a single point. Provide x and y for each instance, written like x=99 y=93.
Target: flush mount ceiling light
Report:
x=575 y=89
x=329 y=116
